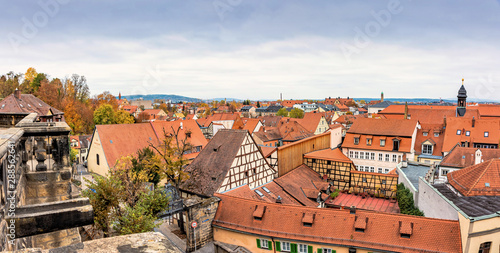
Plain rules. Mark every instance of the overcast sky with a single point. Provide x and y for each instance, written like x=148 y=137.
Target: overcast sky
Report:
x=257 y=49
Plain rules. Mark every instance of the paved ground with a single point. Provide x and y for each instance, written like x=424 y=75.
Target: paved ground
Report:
x=166 y=229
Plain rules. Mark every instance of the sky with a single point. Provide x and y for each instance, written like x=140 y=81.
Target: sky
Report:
x=257 y=49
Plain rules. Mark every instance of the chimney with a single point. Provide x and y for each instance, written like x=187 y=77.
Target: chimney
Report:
x=444 y=122
x=382 y=97
x=119 y=96
x=17 y=94
x=473 y=121
x=406 y=110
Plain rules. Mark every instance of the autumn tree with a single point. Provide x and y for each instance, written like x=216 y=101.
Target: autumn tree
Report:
x=143 y=116
x=296 y=113
x=123 y=117
x=104 y=115
x=9 y=83
x=104 y=98
x=282 y=112
x=30 y=74
x=122 y=203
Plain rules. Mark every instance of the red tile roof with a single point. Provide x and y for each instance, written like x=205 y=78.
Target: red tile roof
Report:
x=130 y=108
x=329 y=154
x=478 y=180
x=461 y=157
x=197 y=138
x=437 y=142
x=369 y=203
x=124 y=139
x=297 y=181
x=427 y=114
x=205 y=122
x=385 y=127
x=310 y=121
x=488 y=110
x=275 y=191
x=333 y=226
x=26 y=104
x=267 y=151
x=481 y=126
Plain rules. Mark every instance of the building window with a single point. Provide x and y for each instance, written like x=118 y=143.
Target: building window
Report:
x=97 y=158
x=380 y=157
x=427 y=149
x=382 y=143
x=372 y=156
x=436 y=134
x=356 y=154
x=356 y=140
x=467 y=133
x=361 y=168
x=361 y=155
x=264 y=244
x=394 y=158
x=424 y=133
x=485 y=247
x=285 y=246
x=386 y=171
x=369 y=141
x=379 y=170
x=326 y=250
x=459 y=132
x=350 y=154
x=387 y=157
x=486 y=134
x=372 y=169
x=444 y=172
x=384 y=181
x=303 y=248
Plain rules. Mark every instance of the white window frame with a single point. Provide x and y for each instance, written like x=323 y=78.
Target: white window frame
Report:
x=356 y=154
x=380 y=156
x=425 y=150
x=394 y=158
x=264 y=245
x=372 y=169
x=372 y=156
x=382 y=143
x=386 y=171
x=361 y=155
x=380 y=170
x=302 y=248
x=327 y=250
x=285 y=246
x=351 y=154
x=387 y=157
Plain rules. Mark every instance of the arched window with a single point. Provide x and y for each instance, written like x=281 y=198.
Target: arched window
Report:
x=485 y=247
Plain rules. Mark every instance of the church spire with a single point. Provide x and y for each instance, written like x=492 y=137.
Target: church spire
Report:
x=462 y=100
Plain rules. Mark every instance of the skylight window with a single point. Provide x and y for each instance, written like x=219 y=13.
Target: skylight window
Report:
x=486 y=134
x=459 y=132
x=265 y=189
x=487 y=184
x=259 y=193
x=467 y=133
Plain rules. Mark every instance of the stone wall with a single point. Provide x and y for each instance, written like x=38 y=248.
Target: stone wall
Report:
x=203 y=212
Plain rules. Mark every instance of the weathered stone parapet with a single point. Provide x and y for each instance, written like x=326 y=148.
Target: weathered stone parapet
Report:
x=48 y=217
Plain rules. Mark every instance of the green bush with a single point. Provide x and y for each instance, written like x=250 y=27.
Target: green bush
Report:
x=405 y=201
x=335 y=194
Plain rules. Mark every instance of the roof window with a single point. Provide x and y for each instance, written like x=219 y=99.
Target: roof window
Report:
x=486 y=134
x=459 y=132
x=307 y=219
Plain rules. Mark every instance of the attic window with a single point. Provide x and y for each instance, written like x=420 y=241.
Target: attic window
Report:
x=111 y=141
x=467 y=133
x=424 y=133
x=29 y=105
x=259 y=212
x=307 y=219
x=382 y=142
x=259 y=193
x=21 y=105
x=459 y=132
x=486 y=184
x=356 y=140
x=214 y=178
x=436 y=134
x=486 y=134
x=369 y=141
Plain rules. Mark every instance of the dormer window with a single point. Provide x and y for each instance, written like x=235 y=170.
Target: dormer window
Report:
x=436 y=134
x=369 y=142
x=395 y=144
x=486 y=134
x=459 y=132
x=382 y=142
x=356 y=140
x=425 y=133
x=427 y=149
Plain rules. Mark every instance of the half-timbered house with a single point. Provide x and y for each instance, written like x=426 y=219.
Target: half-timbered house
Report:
x=231 y=159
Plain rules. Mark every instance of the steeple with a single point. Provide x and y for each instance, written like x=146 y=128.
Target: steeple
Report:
x=462 y=100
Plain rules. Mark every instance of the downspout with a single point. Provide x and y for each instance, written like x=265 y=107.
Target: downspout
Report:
x=274 y=244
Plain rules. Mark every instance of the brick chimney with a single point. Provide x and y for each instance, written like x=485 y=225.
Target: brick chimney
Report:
x=17 y=94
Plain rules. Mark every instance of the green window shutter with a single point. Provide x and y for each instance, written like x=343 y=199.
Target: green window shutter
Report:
x=278 y=246
x=334 y=251
x=293 y=248
x=269 y=245
x=320 y=250
x=309 y=249
x=258 y=243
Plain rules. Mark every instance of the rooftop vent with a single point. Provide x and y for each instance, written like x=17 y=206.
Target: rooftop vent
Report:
x=259 y=212
x=279 y=199
x=360 y=224
x=405 y=229
x=308 y=219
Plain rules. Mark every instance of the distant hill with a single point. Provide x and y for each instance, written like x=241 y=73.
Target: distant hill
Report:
x=172 y=97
